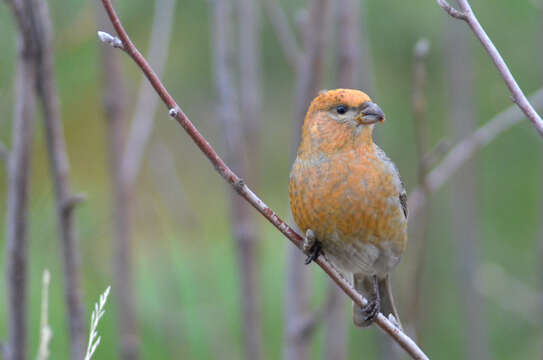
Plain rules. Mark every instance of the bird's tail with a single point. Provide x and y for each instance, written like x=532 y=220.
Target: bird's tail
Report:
x=364 y=284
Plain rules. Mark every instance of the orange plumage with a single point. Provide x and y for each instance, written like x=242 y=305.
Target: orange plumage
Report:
x=345 y=189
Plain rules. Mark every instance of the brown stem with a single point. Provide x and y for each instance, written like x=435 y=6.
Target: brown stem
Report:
x=114 y=109
x=419 y=227
x=17 y=201
x=243 y=190
x=465 y=217
x=60 y=168
x=142 y=124
x=236 y=153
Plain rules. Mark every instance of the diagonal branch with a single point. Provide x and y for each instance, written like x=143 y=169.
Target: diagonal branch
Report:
x=142 y=124
x=243 y=190
x=465 y=149
x=466 y=14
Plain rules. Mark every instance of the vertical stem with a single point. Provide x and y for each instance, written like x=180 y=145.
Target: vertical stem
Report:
x=308 y=79
x=115 y=114
x=17 y=201
x=464 y=218
x=236 y=154
x=60 y=168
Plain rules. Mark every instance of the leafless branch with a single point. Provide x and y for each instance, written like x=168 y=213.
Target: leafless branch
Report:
x=236 y=153
x=115 y=114
x=243 y=190
x=48 y=94
x=464 y=190
x=284 y=33
x=142 y=123
x=17 y=200
x=419 y=227
x=467 y=147
x=466 y=14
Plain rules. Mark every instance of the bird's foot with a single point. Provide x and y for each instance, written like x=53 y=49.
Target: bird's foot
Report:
x=371 y=309
x=311 y=246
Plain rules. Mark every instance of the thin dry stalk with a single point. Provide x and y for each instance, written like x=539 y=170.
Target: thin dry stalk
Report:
x=45 y=329
x=309 y=72
x=236 y=153
x=419 y=227
x=243 y=190
x=465 y=216
x=17 y=202
x=467 y=147
x=48 y=94
x=19 y=162
x=466 y=14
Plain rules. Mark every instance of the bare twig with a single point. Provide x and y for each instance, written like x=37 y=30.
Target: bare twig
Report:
x=419 y=227
x=115 y=114
x=236 y=153
x=243 y=190
x=142 y=124
x=468 y=146
x=17 y=200
x=466 y=14
x=464 y=190
x=284 y=33
x=309 y=73
x=48 y=93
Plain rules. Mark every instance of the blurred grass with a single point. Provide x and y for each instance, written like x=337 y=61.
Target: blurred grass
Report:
x=186 y=276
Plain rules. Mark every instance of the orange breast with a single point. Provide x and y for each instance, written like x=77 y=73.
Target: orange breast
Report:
x=349 y=199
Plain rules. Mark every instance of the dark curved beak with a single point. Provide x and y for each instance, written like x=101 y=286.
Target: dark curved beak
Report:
x=370 y=113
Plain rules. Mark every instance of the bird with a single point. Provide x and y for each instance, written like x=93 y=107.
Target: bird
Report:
x=348 y=199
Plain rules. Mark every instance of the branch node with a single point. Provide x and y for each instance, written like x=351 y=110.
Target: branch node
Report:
x=73 y=200
x=238 y=185
x=111 y=40
x=452 y=11
x=173 y=112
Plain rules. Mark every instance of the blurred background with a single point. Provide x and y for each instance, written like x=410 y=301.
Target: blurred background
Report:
x=209 y=278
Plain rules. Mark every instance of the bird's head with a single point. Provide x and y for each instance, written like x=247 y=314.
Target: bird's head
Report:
x=349 y=106
x=337 y=117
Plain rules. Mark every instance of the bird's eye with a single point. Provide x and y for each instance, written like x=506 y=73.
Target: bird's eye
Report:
x=341 y=109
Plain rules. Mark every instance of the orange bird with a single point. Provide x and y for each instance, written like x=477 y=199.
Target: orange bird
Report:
x=347 y=197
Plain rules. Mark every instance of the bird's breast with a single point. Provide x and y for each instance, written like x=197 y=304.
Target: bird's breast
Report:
x=350 y=200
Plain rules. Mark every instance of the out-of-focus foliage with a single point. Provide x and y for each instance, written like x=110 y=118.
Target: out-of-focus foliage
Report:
x=186 y=280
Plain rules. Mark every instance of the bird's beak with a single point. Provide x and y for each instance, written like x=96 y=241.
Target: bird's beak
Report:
x=370 y=113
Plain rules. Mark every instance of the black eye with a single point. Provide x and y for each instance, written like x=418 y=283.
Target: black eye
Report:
x=341 y=109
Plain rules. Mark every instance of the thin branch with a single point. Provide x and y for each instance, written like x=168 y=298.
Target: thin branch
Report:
x=235 y=131
x=451 y=10
x=143 y=121
x=60 y=169
x=17 y=201
x=465 y=149
x=284 y=33
x=114 y=100
x=519 y=98
x=419 y=228
x=243 y=190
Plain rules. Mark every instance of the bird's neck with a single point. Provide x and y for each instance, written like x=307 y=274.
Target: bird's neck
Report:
x=324 y=136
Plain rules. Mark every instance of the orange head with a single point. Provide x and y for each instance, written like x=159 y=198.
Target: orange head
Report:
x=337 y=118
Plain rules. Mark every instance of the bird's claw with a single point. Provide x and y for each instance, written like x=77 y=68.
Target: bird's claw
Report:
x=311 y=246
x=371 y=310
